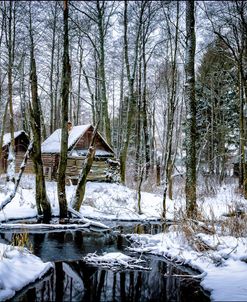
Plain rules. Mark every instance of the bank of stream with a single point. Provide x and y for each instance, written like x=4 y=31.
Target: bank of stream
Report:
x=72 y=279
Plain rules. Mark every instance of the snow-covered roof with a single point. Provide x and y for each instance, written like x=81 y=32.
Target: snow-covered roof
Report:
x=7 y=137
x=53 y=143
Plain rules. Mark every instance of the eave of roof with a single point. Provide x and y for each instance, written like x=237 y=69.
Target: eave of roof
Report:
x=53 y=143
x=7 y=137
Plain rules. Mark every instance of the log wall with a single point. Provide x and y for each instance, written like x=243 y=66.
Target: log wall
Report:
x=101 y=169
x=18 y=161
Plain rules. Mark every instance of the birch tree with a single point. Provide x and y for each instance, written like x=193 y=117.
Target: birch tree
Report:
x=10 y=41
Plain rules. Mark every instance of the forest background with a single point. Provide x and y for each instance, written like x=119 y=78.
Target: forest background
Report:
x=129 y=70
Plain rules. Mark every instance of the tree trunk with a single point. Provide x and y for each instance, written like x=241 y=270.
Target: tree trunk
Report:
x=66 y=76
x=144 y=108
x=81 y=185
x=190 y=186
x=170 y=115
x=43 y=206
x=57 y=118
x=78 y=109
x=138 y=137
x=10 y=46
x=105 y=114
x=2 y=131
x=52 y=70
x=131 y=79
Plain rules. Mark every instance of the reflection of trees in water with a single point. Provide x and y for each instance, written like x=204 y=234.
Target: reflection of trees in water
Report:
x=77 y=281
x=150 y=228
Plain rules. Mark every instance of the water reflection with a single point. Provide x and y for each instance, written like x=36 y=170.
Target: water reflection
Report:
x=77 y=281
x=69 y=245
x=74 y=280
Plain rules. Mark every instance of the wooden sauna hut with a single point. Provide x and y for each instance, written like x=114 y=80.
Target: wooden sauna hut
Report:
x=21 y=145
x=104 y=168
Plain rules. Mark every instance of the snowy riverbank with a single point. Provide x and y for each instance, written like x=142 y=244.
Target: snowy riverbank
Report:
x=220 y=259
x=18 y=268
x=220 y=255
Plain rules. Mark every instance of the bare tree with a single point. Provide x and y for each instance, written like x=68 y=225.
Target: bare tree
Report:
x=99 y=13
x=131 y=76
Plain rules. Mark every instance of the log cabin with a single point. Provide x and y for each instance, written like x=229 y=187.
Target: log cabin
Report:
x=104 y=168
x=21 y=145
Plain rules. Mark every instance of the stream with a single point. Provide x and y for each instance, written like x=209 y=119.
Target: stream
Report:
x=72 y=279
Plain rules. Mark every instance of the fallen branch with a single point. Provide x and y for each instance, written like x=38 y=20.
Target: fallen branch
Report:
x=11 y=195
x=115 y=261
x=41 y=226
x=88 y=221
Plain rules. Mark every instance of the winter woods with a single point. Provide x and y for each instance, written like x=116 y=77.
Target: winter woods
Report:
x=165 y=79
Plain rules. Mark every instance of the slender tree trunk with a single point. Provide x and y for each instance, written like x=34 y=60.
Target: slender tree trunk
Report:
x=131 y=79
x=138 y=121
x=66 y=76
x=52 y=69
x=23 y=99
x=91 y=95
x=170 y=117
x=78 y=109
x=144 y=108
x=57 y=119
x=106 y=119
x=10 y=46
x=190 y=186
x=2 y=131
x=121 y=110
x=81 y=186
x=43 y=205
x=243 y=170
x=97 y=103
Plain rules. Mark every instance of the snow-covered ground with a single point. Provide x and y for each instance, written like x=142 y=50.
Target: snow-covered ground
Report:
x=18 y=267
x=220 y=257
x=114 y=201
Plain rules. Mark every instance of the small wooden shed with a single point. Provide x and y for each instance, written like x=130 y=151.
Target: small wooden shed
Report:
x=104 y=168
x=21 y=145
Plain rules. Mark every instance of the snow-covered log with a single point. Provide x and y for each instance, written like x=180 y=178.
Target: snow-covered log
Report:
x=90 y=223
x=115 y=260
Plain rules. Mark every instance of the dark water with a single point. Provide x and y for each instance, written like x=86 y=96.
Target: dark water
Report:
x=74 y=280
